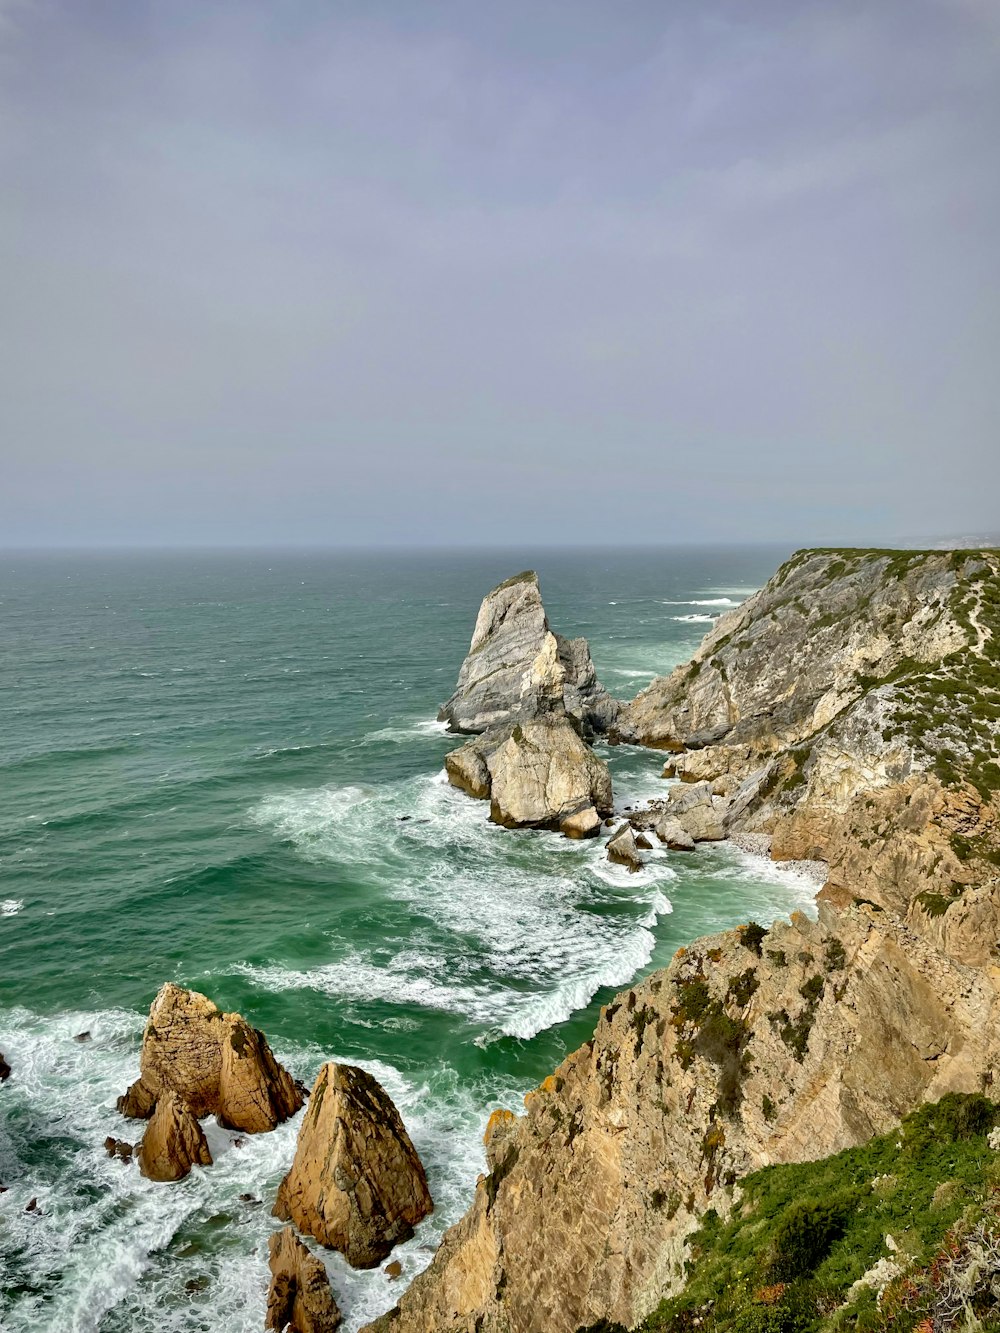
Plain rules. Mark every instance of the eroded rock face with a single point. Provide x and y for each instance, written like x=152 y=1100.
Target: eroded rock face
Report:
x=300 y=1299
x=216 y=1062
x=726 y=1062
x=517 y=670
x=173 y=1142
x=356 y=1184
x=539 y=774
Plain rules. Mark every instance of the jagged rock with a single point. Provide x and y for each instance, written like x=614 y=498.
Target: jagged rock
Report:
x=300 y=1299
x=356 y=1184
x=4 y=1068
x=622 y=849
x=118 y=1148
x=217 y=1063
x=82 y=1037
x=538 y=774
x=517 y=670
x=173 y=1142
x=643 y=843
x=674 y=834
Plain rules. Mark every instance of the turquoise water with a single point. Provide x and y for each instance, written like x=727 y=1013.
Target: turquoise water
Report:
x=224 y=770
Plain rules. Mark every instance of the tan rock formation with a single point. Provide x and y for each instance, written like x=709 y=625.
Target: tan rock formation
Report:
x=216 y=1062
x=356 y=1183
x=724 y=1063
x=300 y=1299
x=173 y=1142
x=538 y=774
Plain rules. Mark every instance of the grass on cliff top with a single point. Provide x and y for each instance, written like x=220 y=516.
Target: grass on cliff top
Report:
x=801 y=1234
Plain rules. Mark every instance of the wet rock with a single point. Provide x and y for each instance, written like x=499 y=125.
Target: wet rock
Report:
x=622 y=849
x=356 y=1184
x=300 y=1299
x=118 y=1148
x=393 y=1270
x=33 y=1207
x=173 y=1142
x=643 y=843
x=82 y=1037
x=217 y=1063
x=4 y=1068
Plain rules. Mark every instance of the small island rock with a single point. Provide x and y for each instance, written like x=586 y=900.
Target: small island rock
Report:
x=622 y=849
x=356 y=1184
x=216 y=1062
x=300 y=1299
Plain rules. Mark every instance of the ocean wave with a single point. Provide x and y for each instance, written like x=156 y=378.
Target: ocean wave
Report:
x=704 y=619
x=11 y=906
x=402 y=735
x=702 y=601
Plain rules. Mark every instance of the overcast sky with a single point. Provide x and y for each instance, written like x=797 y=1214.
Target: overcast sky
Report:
x=333 y=272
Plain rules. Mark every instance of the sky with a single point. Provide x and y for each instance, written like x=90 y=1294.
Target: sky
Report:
x=457 y=273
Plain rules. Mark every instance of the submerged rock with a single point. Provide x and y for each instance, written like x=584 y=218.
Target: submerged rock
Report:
x=4 y=1068
x=518 y=670
x=216 y=1062
x=173 y=1142
x=119 y=1148
x=356 y=1184
x=300 y=1299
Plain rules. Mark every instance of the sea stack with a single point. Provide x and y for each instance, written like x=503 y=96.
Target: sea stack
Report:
x=532 y=699
x=356 y=1184
x=217 y=1064
x=517 y=669
x=173 y=1142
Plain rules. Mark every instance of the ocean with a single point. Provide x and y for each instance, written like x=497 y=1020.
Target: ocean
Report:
x=224 y=769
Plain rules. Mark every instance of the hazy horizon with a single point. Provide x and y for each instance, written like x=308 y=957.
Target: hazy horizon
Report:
x=456 y=276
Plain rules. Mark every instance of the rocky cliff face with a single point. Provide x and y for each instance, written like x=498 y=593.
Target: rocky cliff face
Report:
x=848 y=712
x=517 y=670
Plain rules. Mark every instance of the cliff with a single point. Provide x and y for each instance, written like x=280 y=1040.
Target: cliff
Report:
x=849 y=711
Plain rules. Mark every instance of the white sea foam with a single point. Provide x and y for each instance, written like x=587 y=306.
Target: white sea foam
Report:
x=517 y=944
x=11 y=906
x=706 y=619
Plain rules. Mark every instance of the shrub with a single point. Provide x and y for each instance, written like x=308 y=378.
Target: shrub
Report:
x=806 y=1234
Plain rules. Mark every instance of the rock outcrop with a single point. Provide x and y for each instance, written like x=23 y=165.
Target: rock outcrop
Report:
x=749 y=1049
x=356 y=1184
x=848 y=713
x=538 y=774
x=517 y=670
x=300 y=1299
x=174 y=1141
x=217 y=1063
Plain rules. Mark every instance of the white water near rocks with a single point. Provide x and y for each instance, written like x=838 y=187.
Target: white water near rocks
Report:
x=258 y=810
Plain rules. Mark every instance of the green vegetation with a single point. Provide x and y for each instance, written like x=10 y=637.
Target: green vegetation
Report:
x=785 y=1259
x=705 y=1029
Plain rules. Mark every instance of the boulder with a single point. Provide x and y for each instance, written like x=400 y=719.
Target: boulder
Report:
x=4 y=1068
x=173 y=1142
x=216 y=1062
x=300 y=1299
x=622 y=849
x=544 y=774
x=699 y=814
x=584 y=824
x=674 y=834
x=356 y=1184
x=119 y=1148
x=518 y=670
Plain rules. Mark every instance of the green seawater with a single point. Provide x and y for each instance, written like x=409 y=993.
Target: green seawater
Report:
x=224 y=769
